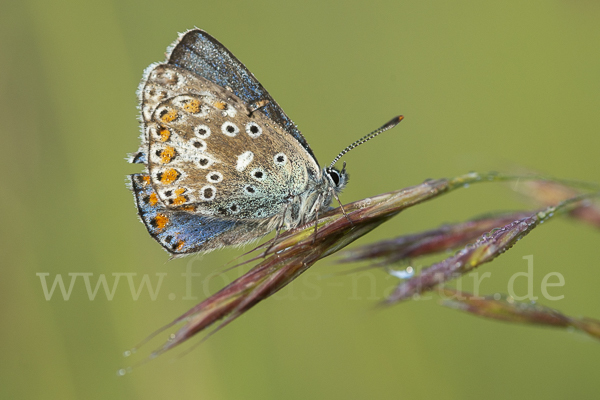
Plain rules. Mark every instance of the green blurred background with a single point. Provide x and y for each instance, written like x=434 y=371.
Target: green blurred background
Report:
x=483 y=85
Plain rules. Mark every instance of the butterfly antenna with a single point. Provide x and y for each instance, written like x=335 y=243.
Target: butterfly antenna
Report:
x=389 y=125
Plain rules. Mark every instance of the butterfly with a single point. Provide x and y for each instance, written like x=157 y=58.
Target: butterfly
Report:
x=224 y=164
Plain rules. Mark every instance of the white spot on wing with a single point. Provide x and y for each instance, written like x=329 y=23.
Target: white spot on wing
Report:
x=280 y=159
x=230 y=129
x=208 y=192
x=253 y=130
x=203 y=131
x=214 y=177
x=244 y=160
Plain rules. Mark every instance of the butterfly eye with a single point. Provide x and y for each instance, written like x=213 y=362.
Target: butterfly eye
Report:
x=203 y=131
x=335 y=176
x=230 y=129
x=280 y=159
x=253 y=130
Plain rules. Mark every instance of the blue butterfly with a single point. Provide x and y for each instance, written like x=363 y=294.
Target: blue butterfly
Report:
x=225 y=165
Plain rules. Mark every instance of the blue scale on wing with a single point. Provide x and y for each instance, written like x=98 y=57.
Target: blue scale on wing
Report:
x=203 y=55
x=179 y=232
x=138 y=158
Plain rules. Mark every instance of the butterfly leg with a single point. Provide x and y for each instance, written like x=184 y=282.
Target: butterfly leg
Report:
x=316 y=211
x=316 y=224
x=273 y=241
x=342 y=207
x=277 y=232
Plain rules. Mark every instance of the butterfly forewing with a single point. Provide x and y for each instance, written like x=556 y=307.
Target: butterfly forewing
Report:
x=200 y=53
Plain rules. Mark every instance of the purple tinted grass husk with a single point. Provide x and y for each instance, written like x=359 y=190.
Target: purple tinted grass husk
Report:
x=295 y=251
x=504 y=308
x=489 y=246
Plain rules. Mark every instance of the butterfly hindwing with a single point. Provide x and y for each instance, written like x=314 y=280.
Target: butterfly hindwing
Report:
x=208 y=151
x=182 y=233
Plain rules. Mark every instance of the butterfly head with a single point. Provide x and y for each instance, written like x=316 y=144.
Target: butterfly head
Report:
x=337 y=179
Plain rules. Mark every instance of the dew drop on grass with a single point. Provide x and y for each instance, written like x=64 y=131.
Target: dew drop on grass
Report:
x=124 y=371
x=409 y=272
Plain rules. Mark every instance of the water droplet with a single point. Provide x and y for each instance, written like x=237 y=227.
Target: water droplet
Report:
x=403 y=273
x=126 y=353
x=121 y=372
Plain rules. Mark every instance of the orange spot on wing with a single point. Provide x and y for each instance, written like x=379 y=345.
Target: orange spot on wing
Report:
x=188 y=208
x=167 y=155
x=146 y=180
x=160 y=221
x=165 y=134
x=192 y=106
x=179 y=245
x=169 y=116
x=169 y=176
x=220 y=105
x=180 y=199
x=153 y=199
